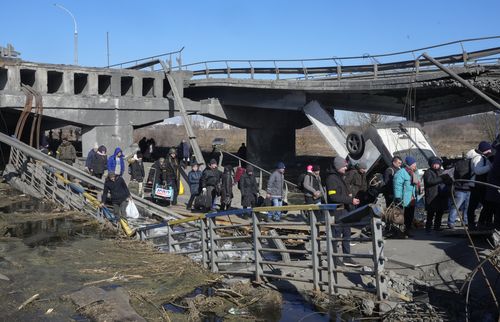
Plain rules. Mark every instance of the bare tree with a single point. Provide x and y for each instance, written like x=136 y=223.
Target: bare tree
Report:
x=364 y=120
x=486 y=122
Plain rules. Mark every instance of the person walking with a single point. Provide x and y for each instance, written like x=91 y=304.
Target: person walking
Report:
x=116 y=164
x=227 y=188
x=313 y=188
x=480 y=167
x=211 y=181
x=173 y=174
x=99 y=162
x=194 y=177
x=389 y=178
x=275 y=190
x=120 y=195
x=436 y=194
x=90 y=156
x=249 y=188
x=337 y=192
x=184 y=152
x=406 y=190
x=242 y=151
x=493 y=194
x=136 y=170
x=66 y=152
x=356 y=180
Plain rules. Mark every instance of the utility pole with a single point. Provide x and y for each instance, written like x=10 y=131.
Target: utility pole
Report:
x=75 y=34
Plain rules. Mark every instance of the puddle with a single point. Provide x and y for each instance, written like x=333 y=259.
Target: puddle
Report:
x=27 y=206
x=49 y=231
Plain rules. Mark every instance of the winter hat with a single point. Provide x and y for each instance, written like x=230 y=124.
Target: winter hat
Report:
x=280 y=165
x=212 y=161
x=102 y=149
x=249 y=168
x=484 y=146
x=339 y=163
x=139 y=154
x=434 y=160
x=409 y=160
x=172 y=151
x=362 y=165
x=309 y=168
x=316 y=167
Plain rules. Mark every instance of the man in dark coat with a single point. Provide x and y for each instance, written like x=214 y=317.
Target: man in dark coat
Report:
x=389 y=173
x=173 y=174
x=436 y=193
x=356 y=180
x=99 y=162
x=493 y=194
x=120 y=194
x=211 y=181
x=338 y=192
x=227 y=188
x=194 y=177
x=249 y=188
x=157 y=173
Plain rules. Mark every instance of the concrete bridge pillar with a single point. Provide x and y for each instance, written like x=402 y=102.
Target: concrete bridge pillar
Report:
x=269 y=145
x=109 y=136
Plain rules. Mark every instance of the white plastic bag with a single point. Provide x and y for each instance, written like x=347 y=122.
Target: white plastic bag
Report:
x=131 y=210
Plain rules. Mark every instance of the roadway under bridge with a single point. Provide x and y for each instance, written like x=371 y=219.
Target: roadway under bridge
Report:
x=108 y=103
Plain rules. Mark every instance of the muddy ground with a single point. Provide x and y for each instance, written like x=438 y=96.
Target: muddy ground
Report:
x=55 y=253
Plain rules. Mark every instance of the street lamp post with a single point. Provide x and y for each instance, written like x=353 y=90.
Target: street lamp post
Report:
x=76 y=31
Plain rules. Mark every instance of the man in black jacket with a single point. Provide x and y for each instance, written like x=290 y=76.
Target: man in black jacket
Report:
x=120 y=194
x=389 y=173
x=338 y=193
x=173 y=174
x=249 y=188
x=211 y=181
x=436 y=195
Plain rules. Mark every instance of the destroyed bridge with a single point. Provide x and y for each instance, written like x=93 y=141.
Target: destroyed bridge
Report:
x=266 y=97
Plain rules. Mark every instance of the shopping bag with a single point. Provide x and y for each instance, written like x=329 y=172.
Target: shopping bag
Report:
x=131 y=210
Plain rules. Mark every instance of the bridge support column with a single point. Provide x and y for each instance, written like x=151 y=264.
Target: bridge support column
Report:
x=267 y=146
x=109 y=136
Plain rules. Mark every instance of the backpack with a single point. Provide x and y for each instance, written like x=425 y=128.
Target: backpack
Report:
x=238 y=174
x=300 y=181
x=463 y=169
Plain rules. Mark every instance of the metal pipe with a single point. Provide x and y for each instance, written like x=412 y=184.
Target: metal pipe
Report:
x=462 y=81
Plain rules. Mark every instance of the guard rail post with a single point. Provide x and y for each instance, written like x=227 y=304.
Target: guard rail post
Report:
x=213 y=254
x=315 y=249
x=332 y=277
x=203 y=238
x=378 y=258
x=170 y=239
x=257 y=247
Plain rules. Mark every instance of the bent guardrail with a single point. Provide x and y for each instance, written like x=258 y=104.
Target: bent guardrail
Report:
x=258 y=251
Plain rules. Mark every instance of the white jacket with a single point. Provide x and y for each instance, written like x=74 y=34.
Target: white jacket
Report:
x=479 y=164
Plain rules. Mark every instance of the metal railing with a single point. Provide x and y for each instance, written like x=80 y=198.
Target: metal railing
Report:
x=262 y=253
x=55 y=186
x=151 y=61
x=24 y=158
x=345 y=67
x=261 y=171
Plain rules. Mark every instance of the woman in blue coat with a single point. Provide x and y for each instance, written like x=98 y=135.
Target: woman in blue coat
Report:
x=116 y=163
x=406 y=189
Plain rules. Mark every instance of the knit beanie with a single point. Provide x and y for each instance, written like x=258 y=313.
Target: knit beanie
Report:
x=484 y=146
x=309 y=168
x=362 y=165
x=409 y=160
x=434 y=160
x=280 y=165
x=316 y=167
x=339 y=163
